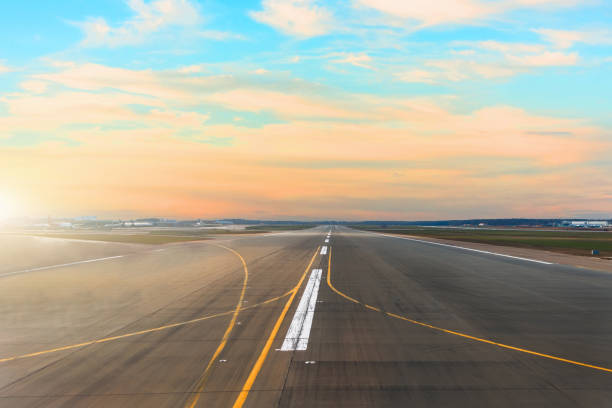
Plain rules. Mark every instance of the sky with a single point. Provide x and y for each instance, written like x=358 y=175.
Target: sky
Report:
x=304 y=109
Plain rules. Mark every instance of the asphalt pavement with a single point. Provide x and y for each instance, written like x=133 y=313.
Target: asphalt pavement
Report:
x=325 y=317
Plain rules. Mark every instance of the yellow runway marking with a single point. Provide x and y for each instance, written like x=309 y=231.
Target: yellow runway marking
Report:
x=202 y=381
x=244 y=393
x=467 y=336
x=372 y=308
x=138 y=333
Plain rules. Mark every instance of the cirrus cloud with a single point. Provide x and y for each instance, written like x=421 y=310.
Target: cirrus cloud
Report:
x=300 y=18
x=429 y=13
x=567 y=38
x=148 y=19
x=401 y=150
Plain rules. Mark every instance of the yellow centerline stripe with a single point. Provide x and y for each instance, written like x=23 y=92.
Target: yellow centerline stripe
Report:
x=244 y=393
x=202 y=381
x=107 y=339
x=138 y=333
x=456 y=333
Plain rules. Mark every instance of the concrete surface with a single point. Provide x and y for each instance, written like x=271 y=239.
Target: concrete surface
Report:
x=356 y=356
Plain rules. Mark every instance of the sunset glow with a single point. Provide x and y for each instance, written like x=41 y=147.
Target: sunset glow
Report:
x=305 y=109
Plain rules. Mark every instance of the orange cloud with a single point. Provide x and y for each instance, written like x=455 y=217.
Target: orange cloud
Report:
x=394 y=158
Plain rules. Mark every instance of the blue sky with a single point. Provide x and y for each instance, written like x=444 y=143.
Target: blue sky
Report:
x=229 y=37
x=226 y=77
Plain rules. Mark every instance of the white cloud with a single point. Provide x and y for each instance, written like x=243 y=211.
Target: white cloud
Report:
x=191 y=69
x=545 y=59
x=431 y=12
x=358 y=60
x=417 y=75
x=300 y=18
x=149 y=18
x=463 y=52
x=60 y=64
x=495 y=60
x=567 y=38
x=34 y=86
x=4 y=69
x=560 y=38
x=530 y=55
x=185 y=90
x=455 y=70
x=286 y=105
x=544 y=3
x=513 y=48
x=428 y=12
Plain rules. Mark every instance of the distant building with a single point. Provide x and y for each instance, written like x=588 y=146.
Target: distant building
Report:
x=598 y=224
x=586 y=224
x=113 y=225
x=137 y=224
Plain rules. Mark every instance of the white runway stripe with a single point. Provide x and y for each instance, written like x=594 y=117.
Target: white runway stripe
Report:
x=327 y=240
x=299 y=331
x=60 y=265
x=324 y=250
x=470 y=249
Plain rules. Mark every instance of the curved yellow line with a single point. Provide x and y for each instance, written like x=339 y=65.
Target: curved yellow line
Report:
x=140 y=332
x=202 y=381
x=248 y=384
x=456 y=333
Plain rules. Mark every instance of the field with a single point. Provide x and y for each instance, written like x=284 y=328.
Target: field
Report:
x=568 y=242
x=147 y=238
x=156 y=237
x=280 y=227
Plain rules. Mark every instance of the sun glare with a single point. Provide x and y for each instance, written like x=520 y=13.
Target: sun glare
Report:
x=6 y=207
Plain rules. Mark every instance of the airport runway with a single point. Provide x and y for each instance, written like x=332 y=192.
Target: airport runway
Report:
x=290 y=320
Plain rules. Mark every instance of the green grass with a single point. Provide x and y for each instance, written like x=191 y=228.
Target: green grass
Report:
x=200 y=232
x=151 y=239
x=569 y=242
x=268 y=228
x=157 y=237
